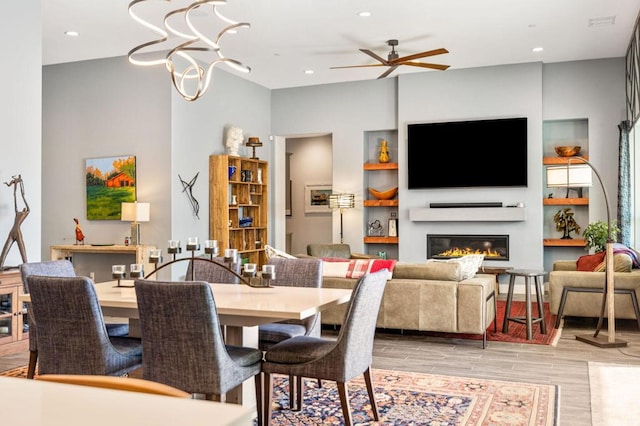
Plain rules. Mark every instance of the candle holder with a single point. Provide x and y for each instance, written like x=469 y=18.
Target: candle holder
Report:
x=211 y=248
x=249 y=270
x=174 y=248
x=135 y=270
x=193 y=244
x=118 y=273
x=268 y=274
x=155 y=256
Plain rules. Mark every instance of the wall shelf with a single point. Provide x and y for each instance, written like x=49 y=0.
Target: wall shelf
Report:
x=477 y=214
x=381 y=240
x=565 y=201
x=380 y=166
x=548 y=161
x=380 y=203
x=559 y=242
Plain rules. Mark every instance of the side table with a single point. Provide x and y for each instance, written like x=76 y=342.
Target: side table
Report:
x=528 y=320
x=496 y=272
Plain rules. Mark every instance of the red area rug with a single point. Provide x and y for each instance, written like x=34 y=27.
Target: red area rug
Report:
x=517 y=332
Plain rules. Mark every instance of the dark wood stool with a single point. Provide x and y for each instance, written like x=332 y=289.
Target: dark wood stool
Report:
x=528 y=320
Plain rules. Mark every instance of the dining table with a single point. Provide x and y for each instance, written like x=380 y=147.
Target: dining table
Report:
x=241 y=309
x=36 y=402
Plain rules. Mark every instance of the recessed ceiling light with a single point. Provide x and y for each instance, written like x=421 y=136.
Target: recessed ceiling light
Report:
x=364 y=14
x=601 y=21
x=537 y=49
x=309 y=71
x=72 y=33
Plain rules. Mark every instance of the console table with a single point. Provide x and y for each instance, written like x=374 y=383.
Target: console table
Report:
x=132 y=253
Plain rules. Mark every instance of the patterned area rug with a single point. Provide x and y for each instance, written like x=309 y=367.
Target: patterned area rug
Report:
x=416 y=399
x=517 y=332
x=614 y=394
x=423 y=399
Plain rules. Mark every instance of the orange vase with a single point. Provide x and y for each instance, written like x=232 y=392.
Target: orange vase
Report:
x=383 y=156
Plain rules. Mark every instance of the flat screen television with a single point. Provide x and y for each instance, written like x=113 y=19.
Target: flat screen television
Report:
x=466 y=154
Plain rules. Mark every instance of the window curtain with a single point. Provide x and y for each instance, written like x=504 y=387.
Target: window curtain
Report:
x=624 y=185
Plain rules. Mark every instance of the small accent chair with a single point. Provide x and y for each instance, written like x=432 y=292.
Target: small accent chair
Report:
x=120 y=383
x=203 y=270
x=183 y=344
x=339 y=360
x=72 y=336
x=54 y=268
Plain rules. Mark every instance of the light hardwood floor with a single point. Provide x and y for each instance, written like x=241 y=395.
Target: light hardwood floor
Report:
x=565 y=365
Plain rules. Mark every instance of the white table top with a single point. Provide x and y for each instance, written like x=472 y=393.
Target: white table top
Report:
x=238 y=304
x=33 y=402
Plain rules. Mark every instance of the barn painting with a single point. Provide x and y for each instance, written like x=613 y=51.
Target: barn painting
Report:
x=110 y=181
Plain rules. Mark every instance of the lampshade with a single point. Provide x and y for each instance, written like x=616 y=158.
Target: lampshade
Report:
x=135 y=212
x=569 y=176
x=342 y=201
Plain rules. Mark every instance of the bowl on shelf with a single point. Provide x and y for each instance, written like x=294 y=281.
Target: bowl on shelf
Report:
x=245 y=222
x=567 y=151
x=384 y=195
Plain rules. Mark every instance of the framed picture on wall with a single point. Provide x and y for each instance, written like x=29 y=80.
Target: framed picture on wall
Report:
x=316 y=198
x=110 y=181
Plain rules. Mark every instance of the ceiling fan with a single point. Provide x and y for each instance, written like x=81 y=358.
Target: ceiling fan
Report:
x=394 y=60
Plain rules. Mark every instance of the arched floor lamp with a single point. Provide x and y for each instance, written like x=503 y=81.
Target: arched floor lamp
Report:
x=572 y=177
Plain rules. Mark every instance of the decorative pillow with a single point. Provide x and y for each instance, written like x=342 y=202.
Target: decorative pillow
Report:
x=621 y=263
x=355 y=268
x=589 y=262
x=469 y=264
x=272 y=252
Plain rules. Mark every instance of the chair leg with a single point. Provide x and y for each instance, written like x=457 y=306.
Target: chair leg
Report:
x=33 y=360
x=266 y=400
x=299 y=392
x=372 y=396
x=259 y=393
x=344 y=402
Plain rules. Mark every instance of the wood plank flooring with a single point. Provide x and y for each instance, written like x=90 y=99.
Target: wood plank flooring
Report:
x=565 y=365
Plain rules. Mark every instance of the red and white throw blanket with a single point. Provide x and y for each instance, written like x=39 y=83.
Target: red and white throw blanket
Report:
x=355 y=268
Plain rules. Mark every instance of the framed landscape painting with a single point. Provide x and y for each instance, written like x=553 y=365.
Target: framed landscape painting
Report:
x=316 y=198
x=110 y=181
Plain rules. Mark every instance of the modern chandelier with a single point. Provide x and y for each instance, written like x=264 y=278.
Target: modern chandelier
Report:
x=191 y=55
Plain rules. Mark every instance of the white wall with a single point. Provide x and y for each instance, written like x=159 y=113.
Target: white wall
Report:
x=311 y=164
x=20 y=120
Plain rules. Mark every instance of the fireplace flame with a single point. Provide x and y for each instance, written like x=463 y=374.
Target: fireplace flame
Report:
x=459 y=252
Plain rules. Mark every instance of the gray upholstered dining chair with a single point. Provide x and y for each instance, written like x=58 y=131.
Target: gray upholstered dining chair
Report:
x=339 y=360
x=54 y=268
x=72 y=336
x=183 y=345
x=305 y=272
x=204 y=270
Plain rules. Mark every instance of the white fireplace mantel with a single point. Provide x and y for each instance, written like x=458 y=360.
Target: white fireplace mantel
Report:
x=468 y=214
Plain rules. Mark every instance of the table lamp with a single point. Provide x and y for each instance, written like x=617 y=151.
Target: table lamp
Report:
x=254 y=142
x=135 y=213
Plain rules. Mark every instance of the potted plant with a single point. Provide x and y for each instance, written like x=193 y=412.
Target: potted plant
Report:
x=596 y=233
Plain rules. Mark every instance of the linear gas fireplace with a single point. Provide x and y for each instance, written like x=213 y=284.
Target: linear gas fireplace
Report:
x=494 y=247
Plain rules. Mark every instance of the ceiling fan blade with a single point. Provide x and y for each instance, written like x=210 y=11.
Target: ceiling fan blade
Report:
x=387 y=72
x=420 y=55
x=359 y=66
x=426 y=65
x=374 y=56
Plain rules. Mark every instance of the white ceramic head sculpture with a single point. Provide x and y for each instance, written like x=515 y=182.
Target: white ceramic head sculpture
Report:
x=234 y=140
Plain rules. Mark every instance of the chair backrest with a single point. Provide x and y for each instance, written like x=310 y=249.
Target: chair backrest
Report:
x=205 y=269
x=355 y=340
x=72 y=337
x=51 y=268
x=120 y=383
x=182 y=341
x=305 y=272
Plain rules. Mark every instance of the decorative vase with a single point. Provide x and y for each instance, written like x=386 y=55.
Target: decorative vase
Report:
x=234 y=200
x=383 y=156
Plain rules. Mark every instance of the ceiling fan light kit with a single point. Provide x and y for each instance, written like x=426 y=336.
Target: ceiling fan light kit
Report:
x=394 y=60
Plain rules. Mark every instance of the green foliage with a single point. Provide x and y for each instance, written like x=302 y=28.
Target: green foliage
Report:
x=596 y=234
x=105 y=203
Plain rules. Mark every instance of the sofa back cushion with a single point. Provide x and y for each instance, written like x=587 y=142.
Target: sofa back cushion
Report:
x=342 y=251
x=442 y=271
